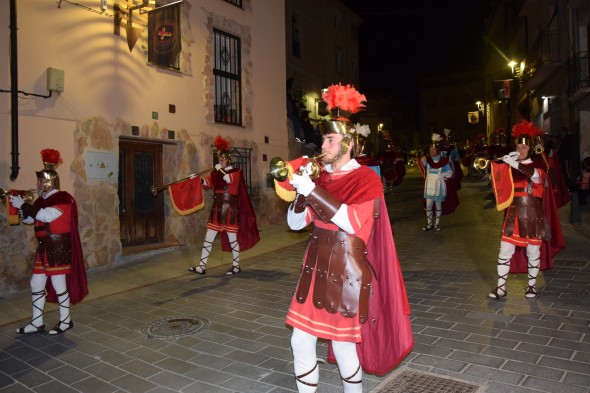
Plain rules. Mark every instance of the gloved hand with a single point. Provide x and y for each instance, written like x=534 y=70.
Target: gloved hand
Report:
x=226 y=178
x=307 y=168
x=510 y=160
x=302 y=183
x=17 y=201
x=217 y=167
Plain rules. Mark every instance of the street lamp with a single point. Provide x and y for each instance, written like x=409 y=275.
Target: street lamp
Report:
x=512 y=64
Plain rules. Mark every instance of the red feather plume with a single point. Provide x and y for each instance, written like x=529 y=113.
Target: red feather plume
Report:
x=526 y=128
x=346 y=98
x=51 y=156
x=221 y=144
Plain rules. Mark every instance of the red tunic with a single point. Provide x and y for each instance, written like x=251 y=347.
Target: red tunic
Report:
x=246 y=227
x=386 y=338
x=76 y=280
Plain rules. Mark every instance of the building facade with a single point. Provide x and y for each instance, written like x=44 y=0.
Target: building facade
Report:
x=322 y=49
x=536 y=67
x=70 y=81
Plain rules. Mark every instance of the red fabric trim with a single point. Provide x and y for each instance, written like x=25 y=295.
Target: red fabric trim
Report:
x=442 y=162
x=187 y=196
x=367 y=187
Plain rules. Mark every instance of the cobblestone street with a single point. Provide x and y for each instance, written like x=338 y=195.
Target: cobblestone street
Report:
x=240 y=342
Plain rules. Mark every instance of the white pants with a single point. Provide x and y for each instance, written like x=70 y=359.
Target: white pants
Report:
x=305 y=360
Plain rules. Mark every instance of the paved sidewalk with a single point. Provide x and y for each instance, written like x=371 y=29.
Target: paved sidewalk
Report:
x=512 y=345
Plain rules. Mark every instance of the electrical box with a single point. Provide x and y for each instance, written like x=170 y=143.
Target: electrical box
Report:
x=101 y=166
x=55 y=79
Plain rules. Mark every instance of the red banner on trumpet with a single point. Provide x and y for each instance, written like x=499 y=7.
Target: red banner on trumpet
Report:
x=187 y=196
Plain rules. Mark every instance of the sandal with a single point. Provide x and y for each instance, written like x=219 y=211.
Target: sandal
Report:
x=531 y=292
x=38 y=329
x=233 y=270
x=495 y=295
x=427 y=227
x=58 y=330
x=198 y=269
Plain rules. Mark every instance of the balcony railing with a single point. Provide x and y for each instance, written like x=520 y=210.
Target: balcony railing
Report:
x=579 y=75
x=545 y=51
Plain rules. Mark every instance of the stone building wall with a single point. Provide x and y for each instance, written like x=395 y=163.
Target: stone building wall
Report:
x=98 y=202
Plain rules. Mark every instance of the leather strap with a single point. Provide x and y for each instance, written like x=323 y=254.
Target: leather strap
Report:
x=527 y=170
x=323 y=203
x=29 y=210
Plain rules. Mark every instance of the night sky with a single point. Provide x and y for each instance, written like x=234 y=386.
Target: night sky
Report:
x=403 y=41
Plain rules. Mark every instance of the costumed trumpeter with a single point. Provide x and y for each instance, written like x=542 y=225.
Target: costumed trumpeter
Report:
x=232 y=212
x=54 y=215
x=351 y=289
x=531 y=232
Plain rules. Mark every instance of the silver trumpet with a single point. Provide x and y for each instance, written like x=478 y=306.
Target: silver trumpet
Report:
x=481 y=163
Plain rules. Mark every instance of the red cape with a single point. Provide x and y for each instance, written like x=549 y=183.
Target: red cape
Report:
x=387 y=336
x=549 y=248
x=559 y=185
x=247 y=234
x=76 y=281
x=452 y=199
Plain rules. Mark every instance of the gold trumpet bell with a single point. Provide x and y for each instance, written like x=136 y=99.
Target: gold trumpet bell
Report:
x=282 y=171
x=12 y=212
x=480 y=163
x=28 y=195
x=279 y=169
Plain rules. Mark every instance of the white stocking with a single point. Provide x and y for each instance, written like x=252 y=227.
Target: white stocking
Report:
x=428 y=213
x=349 y=365
x=38 y=299
x=533 y=254
x=235 y=248
x=506 y=252
x=305 y=361
x=63 y=297
x=207 y=246
x=438 y=205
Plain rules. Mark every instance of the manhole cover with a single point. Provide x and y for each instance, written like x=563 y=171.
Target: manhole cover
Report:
x=414 y=382
x=175 y=327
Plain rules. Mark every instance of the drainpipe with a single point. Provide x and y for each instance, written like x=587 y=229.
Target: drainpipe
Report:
x=14 y=91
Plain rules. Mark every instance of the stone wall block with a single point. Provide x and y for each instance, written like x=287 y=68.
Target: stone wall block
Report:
x=100 y=135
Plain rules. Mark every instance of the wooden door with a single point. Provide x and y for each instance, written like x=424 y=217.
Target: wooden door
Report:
x=140 y=213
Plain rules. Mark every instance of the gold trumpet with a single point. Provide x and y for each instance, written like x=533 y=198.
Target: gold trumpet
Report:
x=156 y=189
x=29 y=194
x=279 y=168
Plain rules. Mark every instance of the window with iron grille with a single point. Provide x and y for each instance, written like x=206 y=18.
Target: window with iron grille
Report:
x=227 y=70
x=241 y=157
x=237 y=3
